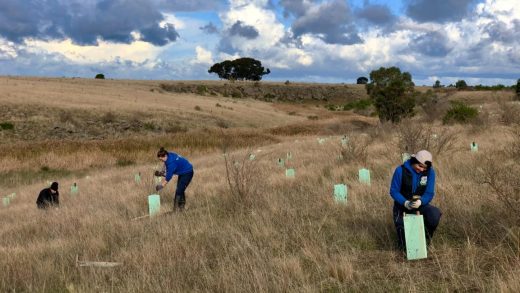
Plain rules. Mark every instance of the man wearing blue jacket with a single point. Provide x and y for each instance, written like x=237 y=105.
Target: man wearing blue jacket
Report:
x=413 y=188
x=176 y=165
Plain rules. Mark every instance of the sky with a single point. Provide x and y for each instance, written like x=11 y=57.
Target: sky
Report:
x=332 y=41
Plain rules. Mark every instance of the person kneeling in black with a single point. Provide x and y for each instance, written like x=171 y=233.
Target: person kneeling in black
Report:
x=49 y=197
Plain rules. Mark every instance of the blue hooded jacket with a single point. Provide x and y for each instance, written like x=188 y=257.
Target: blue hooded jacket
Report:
x=176 y=165
x=395 y=187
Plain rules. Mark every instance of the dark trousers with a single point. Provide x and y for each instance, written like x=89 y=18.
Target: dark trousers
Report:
x=431 y=215
x=182 y=183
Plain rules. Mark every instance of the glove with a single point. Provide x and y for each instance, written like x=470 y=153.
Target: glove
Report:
x=416 y=204
x=159 y=173
x=408 y=204
x=158 y=187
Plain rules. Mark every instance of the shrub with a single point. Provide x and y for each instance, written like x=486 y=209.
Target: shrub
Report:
x=437 y=84
x=109 y=117
x=201 y=90
x=461 y=85
x=236 y=94
x=312 y=117
x=413 y=137
x=6 y=126
x=362 y=104
x=287 y=82
x=198 y=108
x=149 y=126
x=100 y=76
x=356 y=150
x=460 y=113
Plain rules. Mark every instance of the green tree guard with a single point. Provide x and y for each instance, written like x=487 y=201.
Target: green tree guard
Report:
x=6 y=201
x=474 y=147
x=137 y=178
x=344 y=140
x=154 y=204
x=414 y=236
x=289 y=156
x=364 y=176
x=281 y=163
x=252 y=157
x=74 y=189
x=290 y=173
x=340 y=193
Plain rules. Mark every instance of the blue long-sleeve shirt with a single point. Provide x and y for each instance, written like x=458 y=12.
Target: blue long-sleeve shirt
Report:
x=395 y=186
x=176 y=165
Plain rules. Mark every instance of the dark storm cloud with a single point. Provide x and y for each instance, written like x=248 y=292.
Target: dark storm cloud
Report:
x=209 y=29
x=433 y=44
x=84 y=21
x=331 y=21
x=502 y=32
x=190 y=5
x=438 y=10
x=376 y=14
x=243 y=30
x=294 y=7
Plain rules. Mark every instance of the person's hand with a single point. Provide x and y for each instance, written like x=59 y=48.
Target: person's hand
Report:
x=408 y=204
x=159 y=173
x=416 y=204
x=158 y=187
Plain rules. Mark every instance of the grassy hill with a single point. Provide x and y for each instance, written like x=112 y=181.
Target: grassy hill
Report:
x=247 y=227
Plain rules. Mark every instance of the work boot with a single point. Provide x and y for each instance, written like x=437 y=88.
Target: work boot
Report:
x=178 y=205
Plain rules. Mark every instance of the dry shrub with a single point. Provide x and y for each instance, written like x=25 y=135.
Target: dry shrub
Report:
x=506 y=185
x=413 y=137
x=242 y=176
x=356 y=150
x=509 y=113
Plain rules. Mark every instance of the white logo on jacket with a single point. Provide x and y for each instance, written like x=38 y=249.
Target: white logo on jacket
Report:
x=424 y=180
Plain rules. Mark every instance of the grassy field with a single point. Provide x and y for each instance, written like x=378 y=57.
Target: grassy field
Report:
x=247 y=227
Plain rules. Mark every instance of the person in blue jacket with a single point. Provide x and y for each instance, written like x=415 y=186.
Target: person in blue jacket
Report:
x=412 y=189
x=176 y=165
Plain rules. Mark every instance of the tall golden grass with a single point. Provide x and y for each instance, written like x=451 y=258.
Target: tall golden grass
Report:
x=292 y=237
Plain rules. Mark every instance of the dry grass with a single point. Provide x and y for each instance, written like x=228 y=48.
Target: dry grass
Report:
x=291 y=236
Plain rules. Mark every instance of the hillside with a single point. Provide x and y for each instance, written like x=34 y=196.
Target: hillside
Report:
x=247 y=227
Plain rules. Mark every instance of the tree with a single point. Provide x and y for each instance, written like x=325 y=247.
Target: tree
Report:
x=437 y=84
x=240 y=69
x=362 y=80
x=461 y=84
x=518 y=89
x=100 y=76
x=392 y=93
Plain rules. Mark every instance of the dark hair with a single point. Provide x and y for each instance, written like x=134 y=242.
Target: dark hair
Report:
x=162 y=152
x=413 y=161
x=54 y=186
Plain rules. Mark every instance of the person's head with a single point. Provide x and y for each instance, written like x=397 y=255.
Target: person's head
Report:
x=162 y=154
x=421 y=161
x=54 y=187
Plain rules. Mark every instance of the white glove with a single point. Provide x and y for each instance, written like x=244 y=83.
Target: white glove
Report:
x=416 y=204
x=408 y=204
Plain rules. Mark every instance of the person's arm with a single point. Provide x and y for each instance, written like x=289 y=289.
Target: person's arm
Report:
x=430 y=189
x=395 y=187
x=170 y=170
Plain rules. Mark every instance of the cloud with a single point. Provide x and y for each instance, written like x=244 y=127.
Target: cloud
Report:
x=438 y=10
x=433 y=44
x=243 y=30
x=330 y=21
x=376 y=14
x=209 y=28
x=189 y=6
x=203 y=56
x=294 y=7
x=85 y=22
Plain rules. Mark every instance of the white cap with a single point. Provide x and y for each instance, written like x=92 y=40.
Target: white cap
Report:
x=423 y=156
